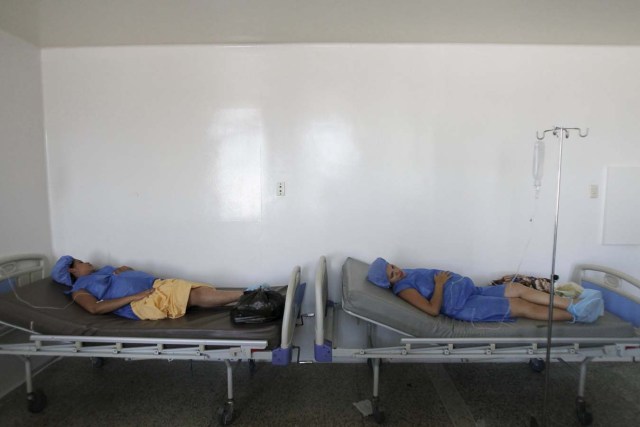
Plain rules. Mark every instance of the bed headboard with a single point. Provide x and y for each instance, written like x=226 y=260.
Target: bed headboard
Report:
x=22 y=269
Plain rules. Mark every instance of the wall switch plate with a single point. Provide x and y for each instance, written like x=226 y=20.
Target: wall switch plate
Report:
x=593 y=191
x=280 y=189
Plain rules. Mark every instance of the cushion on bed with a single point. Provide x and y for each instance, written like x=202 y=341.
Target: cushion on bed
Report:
x=74 y=320
x=364 y=299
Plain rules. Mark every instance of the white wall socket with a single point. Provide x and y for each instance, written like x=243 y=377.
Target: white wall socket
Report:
x=280 y=189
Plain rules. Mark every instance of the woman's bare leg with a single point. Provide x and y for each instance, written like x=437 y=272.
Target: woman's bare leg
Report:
x=529 y=310
x=516 y=290
x=207 y=297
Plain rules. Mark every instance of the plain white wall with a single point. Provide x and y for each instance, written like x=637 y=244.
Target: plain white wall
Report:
x=167 y=158
x=24 y=206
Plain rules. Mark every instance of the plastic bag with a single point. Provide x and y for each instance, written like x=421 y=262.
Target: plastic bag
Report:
x=259 y=306
x=569 y=290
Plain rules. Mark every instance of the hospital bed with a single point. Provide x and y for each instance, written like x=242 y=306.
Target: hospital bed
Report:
x=615 y=337
x=64 y=329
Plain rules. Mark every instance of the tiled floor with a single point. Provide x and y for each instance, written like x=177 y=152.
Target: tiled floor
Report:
x=177 y=393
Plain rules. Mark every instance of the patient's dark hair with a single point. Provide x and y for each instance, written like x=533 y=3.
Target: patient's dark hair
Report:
x=73 y=278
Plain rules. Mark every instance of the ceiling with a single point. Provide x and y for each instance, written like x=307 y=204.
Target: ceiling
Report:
x=69 y=23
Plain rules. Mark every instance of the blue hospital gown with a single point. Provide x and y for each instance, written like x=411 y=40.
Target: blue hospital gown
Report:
x=104 y=285
x=461 y=299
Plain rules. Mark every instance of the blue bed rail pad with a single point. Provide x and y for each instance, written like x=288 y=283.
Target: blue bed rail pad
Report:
x=282 y=356
x=5 y=285
x=617 y=304
x=323 y=353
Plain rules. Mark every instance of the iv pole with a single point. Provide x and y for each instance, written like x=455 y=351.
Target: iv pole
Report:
x=562 y=133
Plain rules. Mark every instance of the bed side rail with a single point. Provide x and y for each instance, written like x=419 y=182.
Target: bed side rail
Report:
x=484 y=349
x=295 y=294
x=135 y=347
x=22 y=269
x=617 y=300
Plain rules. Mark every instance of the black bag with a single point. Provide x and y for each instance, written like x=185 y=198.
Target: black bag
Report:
x=258 y=306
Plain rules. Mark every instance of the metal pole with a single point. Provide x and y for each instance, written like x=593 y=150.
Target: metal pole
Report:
x=376 y=376
x=27 y=374
x=229 y=380
x=552 y=279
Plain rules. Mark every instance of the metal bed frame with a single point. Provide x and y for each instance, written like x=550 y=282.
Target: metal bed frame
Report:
x=24 y=269
x=464 y=350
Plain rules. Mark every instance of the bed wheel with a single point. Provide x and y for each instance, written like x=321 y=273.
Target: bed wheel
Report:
x=584 y=416
x=36 y=401
x=97 y=362
x=252 y=367
x=378 y=412
x=537 y=365
x=225 y=414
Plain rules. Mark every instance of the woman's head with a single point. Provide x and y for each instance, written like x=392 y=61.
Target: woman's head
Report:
x=80 y=268
x=383 y=274
x=67 y=269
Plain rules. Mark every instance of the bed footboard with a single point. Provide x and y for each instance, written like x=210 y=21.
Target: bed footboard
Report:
x=295 y=293
x=324 y=315
x=617 y=290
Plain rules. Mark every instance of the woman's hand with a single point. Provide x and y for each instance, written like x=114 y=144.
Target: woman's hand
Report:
x=122 y=269
x=142 y=295
x=441 y=278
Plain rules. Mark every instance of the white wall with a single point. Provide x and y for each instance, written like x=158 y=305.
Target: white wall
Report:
x=24 y=206
x=167 y=158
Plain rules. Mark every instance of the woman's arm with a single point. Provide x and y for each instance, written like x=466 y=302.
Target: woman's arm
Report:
x=431 y=307
x=93 y=306
x=122 y=269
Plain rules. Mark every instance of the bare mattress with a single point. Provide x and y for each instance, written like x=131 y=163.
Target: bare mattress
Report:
x=363 y=299
x=74 y=320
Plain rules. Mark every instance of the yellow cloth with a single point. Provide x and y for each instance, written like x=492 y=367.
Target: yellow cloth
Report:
x=169 y=299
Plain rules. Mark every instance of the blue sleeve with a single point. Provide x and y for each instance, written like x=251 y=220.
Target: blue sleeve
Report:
x=401 y=286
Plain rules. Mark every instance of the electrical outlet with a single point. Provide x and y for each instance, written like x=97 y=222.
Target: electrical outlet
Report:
x=280 y=189
x=593 y=191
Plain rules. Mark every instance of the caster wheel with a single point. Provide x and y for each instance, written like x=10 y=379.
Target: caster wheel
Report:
x=378 y=416
x=378 y=411
x=252 y=368
x=584 y=416
x=97 y=362
x=225 y=414
x=36 y=401
x=537 y=365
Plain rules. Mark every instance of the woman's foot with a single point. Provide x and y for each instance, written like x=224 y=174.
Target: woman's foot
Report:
x=586 y=310
x=592 y=294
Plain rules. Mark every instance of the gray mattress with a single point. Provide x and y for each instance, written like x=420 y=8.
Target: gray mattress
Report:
x=364 y=299
x=74 y=320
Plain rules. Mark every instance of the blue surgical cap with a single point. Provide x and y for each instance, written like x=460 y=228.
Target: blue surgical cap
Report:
x=378 y=273
x=60 y=271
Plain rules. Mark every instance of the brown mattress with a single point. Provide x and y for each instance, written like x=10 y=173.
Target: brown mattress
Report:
x=74 y=320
